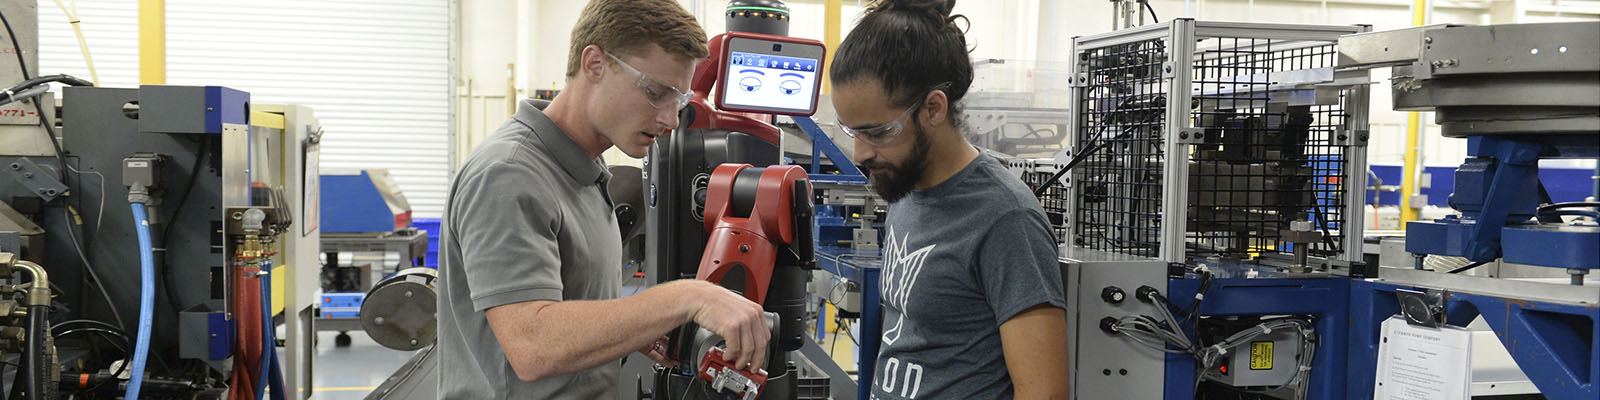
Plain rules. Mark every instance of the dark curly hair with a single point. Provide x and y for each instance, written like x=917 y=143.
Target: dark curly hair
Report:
x=910 y=47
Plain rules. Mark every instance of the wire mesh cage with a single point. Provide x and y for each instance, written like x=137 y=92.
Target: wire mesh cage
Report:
x=1121 y=121
x=1035 y=173
x=1215 y=139
x=1269 y=155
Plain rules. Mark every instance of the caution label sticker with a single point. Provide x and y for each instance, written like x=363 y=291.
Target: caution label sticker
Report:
x=1260 y=355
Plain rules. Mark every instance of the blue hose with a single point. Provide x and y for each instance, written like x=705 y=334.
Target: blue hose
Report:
x=147 y=299
x=269 y=354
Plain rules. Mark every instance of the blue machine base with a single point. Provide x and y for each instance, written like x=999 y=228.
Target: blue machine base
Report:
x=1553 y=344
x=1541 y=245
x=1320 y=298
x=1552 y=246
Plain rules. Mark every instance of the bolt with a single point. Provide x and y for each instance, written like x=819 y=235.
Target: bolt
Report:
x=408 y=293
x=1106 y=372
x=1300 y=226
x=1344 y=137
x=237 y=215
x=1183 y=136
x=16 y=166
x=1167 y=68
x=209 y=109
x=1124 y=372
x=1577 y=275
x=378 y=320
x=744 y=248
x=413 y=341
x=1427 y=40
x=28 y=175
x=1450 y=62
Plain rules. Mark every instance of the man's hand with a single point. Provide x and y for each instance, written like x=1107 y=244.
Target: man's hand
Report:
x=736 y=319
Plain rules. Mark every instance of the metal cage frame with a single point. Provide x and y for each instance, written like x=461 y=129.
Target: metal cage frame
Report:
x=1169 y=88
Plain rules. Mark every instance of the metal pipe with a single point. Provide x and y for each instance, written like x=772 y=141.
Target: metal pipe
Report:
x=38 y=313
x=39 y=293
x=152 y=42
x=1412 y=171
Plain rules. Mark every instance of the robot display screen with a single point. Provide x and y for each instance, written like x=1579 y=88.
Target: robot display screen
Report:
x=769 y=82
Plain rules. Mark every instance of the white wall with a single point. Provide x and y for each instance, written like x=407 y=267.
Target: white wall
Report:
x=1006 y=29
x=375 y=71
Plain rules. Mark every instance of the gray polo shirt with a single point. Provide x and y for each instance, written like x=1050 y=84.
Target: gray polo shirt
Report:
x=528 y=219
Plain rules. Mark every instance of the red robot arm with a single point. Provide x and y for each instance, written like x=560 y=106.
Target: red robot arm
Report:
x=749 y=214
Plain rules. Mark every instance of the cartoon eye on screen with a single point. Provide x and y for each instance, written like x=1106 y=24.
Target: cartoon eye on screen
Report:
x=771 y=75
x=792 y=86
x=751 y=81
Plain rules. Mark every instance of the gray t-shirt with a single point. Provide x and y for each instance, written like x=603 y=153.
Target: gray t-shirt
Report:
x=960 y=259
x=528 y=219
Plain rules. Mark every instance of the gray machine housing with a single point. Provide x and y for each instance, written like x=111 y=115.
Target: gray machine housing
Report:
x=1107 y=366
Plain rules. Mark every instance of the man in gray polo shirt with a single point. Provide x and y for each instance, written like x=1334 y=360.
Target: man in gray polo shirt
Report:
x=529 y=307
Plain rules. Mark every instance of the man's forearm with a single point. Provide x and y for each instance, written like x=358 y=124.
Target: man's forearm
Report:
x=558 y=338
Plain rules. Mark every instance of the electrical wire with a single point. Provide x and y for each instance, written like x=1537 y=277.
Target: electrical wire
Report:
x=1159 y=335
x=22 y=64
x=166 y=231
x=1468 y=267
x=101 y=212
x=9 y=97
x=1576 y=204
x=1080 y=157
x=77 y=247
x=1146 y=4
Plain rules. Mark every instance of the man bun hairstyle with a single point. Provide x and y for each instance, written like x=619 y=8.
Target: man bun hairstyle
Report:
x=910 y=47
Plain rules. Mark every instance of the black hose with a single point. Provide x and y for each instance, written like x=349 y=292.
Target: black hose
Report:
x=1147 y=6
x=166 y=240
x=22 y=63
x=1468 y=267
x=60 y=78
x=1067 y=168
x=38 y=368
x=1576 y=204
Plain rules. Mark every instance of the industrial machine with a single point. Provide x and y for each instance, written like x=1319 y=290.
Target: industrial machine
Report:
x=216 y=191
x=1210 y=209
x=713 y=215
x=1518 y=94
x=161 y=228
x=1245 y=276
x=367 y=237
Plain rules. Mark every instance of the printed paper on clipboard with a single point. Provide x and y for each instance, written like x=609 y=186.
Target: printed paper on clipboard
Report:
x=311 y=193
x=1420 y=363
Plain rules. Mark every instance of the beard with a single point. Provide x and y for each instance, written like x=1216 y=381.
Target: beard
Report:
x=898 y=179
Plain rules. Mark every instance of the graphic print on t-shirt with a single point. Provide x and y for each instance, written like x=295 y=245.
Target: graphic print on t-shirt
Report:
x=900 y=271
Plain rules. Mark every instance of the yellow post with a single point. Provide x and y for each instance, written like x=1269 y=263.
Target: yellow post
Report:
x=832 y=12
x=152 y=42
x=1408 y=181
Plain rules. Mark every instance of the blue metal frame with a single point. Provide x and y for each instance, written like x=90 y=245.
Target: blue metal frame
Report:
x=1324 y=298
x=862 y=267
x=1555 y=345
x=822 y=145
x=1496 y=192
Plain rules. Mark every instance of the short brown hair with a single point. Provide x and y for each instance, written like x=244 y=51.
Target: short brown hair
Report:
x=622 y=26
